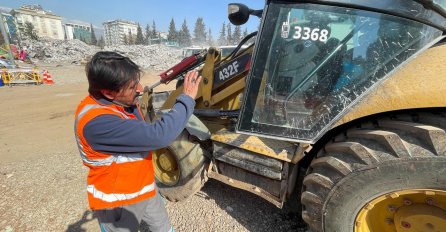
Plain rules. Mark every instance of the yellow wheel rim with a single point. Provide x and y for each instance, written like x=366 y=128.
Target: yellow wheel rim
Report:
x=404 y=211
x=165 y=166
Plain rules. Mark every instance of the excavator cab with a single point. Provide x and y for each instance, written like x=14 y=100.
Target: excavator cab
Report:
x=315 y=60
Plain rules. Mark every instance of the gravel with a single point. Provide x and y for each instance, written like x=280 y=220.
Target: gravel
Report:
x=47 y=192
x=157 y=57
x=37 y=196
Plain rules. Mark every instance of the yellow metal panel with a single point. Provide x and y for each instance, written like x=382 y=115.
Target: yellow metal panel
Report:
x=208 y=77
x=230 y=90
x=419 y=84
x=273 y=148
x=170 y=101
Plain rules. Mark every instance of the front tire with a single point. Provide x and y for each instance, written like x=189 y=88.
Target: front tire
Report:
x=363 y=179
x=180 y=168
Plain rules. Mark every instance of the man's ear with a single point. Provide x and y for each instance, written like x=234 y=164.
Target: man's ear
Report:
x=109 y=94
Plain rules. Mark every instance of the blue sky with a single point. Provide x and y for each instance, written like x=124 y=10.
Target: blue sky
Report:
x=213 y=12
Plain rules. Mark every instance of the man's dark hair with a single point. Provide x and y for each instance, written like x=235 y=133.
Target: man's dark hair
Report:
x=110 y=71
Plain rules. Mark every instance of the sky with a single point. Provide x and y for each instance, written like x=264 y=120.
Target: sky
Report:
x=213 y=12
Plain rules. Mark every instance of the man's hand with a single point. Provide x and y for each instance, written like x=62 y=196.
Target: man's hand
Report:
x=191 y=83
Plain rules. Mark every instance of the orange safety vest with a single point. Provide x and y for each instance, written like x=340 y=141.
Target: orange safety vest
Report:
x=113 y=179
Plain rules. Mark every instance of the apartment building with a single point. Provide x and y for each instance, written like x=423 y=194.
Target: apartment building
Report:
x=115 y=31
x=46 y=24
x=75 y=29
x=9 y=25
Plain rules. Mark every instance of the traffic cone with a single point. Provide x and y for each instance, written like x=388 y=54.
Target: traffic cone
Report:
x=47 y=78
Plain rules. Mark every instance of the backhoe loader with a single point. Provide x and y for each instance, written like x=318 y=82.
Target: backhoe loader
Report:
x=342 y=102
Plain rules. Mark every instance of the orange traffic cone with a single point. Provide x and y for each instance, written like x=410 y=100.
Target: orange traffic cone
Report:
x=47 y=78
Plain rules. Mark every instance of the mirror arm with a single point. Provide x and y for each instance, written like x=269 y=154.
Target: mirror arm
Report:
x=257 y=13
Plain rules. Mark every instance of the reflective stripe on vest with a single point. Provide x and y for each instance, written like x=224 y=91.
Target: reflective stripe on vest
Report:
x=118 y=158
x=106 y=186
x=118 y=196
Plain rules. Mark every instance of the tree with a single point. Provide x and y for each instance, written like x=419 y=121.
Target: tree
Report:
x=130 y=39
x=236 y=37
x=210 y=38
x=93 y=39
x=200 y=31
x=101 y=42
x=126 y=42
x=139 y=37
x=229 y=39
x=2 y=40
x=245 y=32
x=148 y=34
x=222 y=38
x=30 y=32
x=172 y=35
x=184 y=37
x=154 y=32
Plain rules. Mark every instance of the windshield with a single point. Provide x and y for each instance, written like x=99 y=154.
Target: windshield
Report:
x=441 y=3
x=318 y=62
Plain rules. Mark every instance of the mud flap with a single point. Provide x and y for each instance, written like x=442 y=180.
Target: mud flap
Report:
x=194 y=126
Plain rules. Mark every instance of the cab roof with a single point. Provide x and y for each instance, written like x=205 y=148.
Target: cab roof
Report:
x=431 y=12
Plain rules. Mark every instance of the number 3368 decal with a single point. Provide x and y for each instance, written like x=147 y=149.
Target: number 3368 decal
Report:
x=306 y=33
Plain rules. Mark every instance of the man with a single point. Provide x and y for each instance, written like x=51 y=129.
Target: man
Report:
x=115 y=143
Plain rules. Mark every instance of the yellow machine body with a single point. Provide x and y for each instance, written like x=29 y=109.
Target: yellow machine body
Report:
x=373 y=153
x=418 y=84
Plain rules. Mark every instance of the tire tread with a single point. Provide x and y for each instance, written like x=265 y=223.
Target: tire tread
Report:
x=399 y=137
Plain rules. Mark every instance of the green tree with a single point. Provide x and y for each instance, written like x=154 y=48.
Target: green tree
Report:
x=210 y=38
x=229 y=38
x=125 y=41
x=200 y=31
x=222 y=38
x=130 y=39
x=172 y=35
x=139 y=37
x=148 y=34
x=101 y=42
x=245 y=32
x=154 y=32
x=184 y=37
x=30 y=32
x=2 y=40
x=93 y=39
x=237 y=35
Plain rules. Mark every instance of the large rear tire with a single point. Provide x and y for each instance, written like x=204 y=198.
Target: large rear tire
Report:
x=372 y=177
x=180 y=168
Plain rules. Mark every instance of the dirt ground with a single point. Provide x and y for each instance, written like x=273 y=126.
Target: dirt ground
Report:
x=42 y=179
x=40 y=115
x=38 y=153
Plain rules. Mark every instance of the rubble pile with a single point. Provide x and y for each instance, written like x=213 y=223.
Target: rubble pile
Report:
x=157 y=57
x=50 y=51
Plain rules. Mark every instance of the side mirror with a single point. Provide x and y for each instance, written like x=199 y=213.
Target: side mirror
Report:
x=238 y=13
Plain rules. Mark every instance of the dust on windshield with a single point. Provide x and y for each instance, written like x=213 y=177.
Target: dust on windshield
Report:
x=320 y=59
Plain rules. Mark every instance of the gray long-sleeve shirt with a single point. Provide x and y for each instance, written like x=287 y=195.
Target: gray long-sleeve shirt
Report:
x=110 y=133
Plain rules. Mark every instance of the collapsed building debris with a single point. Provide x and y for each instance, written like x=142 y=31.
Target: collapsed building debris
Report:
x=156 y=57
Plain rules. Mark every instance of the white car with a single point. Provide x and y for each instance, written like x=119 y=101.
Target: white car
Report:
x=227 y=50
x=189 y=51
